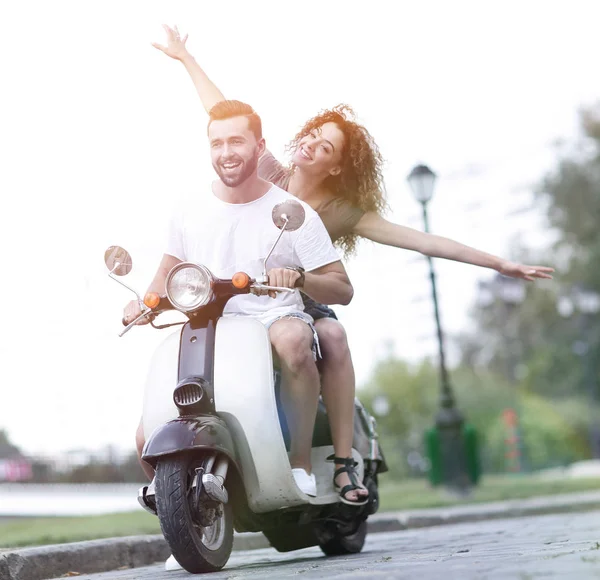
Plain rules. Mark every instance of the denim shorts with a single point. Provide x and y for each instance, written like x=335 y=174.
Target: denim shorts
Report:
x=316 y=310
x=316 y=348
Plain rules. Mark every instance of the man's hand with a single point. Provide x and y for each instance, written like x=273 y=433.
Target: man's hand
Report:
x=175 y=45
x=530 y=273
x=132 y=311
x=282 y=277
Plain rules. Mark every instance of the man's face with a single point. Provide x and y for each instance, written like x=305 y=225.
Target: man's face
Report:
x=234 y=150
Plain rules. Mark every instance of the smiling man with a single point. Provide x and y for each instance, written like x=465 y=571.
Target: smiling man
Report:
x=228 y=228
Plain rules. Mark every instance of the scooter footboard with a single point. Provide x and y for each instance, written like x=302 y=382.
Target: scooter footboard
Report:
x=245 y=399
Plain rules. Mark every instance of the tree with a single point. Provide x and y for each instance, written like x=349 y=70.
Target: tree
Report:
x=7 y=449
x=545 y=341
x=551 y=436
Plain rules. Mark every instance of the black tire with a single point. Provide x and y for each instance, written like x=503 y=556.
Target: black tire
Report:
x=195 y=552
x=343 y=545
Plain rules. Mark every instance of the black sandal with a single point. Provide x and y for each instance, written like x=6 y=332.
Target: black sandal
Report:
x=349 y=465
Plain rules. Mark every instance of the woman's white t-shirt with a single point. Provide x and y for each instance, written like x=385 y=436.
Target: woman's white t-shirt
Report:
x=229 y=238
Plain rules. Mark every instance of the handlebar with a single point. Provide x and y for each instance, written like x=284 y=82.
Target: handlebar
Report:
x=225 y=286
x=256 y=288
x=163 y=305
x=130 y=325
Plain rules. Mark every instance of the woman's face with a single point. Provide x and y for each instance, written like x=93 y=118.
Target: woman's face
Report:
x=320 y=152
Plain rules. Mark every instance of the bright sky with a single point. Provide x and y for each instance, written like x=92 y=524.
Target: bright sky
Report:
x=101 y=134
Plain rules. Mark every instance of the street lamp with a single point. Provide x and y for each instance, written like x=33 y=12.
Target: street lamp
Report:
x=449 y=421
x=586 y=303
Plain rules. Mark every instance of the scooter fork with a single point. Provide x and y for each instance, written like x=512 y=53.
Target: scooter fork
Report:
x=212 y=480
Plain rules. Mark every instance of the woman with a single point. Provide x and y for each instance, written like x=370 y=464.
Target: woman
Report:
x=336 y=169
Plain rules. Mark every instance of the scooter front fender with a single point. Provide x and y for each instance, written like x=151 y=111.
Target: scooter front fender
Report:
x=184 y=434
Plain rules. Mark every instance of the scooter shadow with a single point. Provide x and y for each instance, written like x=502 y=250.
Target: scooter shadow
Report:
x=273 y=564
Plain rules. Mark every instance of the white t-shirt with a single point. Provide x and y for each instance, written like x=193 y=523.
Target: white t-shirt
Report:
x=229 y=238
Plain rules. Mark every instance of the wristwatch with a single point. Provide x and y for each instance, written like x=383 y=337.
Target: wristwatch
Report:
x=300 y=281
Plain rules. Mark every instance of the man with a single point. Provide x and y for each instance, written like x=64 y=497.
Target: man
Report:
x=230 y=230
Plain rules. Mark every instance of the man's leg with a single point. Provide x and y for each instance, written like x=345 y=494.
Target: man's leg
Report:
x=140 y=441
x=292 y=340
x=338 y=389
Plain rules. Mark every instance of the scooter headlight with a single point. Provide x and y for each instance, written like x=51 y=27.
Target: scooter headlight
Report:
x=189 y=286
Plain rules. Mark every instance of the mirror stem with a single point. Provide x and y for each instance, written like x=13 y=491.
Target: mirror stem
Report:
x=265 y=278
x=111 y=275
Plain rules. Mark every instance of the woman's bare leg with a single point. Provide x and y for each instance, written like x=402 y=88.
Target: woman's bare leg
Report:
x=338 y=388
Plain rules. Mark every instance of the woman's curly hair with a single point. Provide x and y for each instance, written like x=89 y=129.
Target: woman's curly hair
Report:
x=360 y=181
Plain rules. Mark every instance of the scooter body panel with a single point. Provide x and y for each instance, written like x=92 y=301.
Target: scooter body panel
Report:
x=161 y=381
x=245 y=399
x=244 y=394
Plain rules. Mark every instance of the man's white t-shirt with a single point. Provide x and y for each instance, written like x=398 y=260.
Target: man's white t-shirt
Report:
x=229 y=238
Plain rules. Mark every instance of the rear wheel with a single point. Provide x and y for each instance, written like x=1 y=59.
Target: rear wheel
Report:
x=200 y=537
x=340 y=545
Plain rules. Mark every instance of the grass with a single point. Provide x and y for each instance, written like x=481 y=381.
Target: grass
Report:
x=402 y=495
x=20 y=532
x=417 y=493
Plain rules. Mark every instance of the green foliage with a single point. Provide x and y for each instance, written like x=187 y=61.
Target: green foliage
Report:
x=552 y=433
x=548 y=438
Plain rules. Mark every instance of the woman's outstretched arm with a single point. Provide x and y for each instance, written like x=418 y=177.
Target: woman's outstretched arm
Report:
x=373 y=227
x=208 y=92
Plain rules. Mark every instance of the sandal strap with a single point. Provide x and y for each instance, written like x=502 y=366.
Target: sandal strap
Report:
x=348 y=488
x=351 y=475
x=347 y=470
x=349 y=466
x=347 y=461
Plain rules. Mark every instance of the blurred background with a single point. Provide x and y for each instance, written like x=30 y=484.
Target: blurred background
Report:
x=102 y=135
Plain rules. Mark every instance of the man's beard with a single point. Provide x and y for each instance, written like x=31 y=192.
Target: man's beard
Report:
x=242 y=172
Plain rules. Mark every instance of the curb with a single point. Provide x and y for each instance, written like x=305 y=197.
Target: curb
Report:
x=392 y=522
x=46 y=562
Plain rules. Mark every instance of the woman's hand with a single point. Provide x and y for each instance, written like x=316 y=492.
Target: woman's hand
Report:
x=175 y=44
x=530 y=273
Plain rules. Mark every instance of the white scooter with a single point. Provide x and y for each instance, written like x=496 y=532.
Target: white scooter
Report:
x=215 y=433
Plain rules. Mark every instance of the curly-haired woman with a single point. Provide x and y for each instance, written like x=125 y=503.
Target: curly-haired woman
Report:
x=337 y=169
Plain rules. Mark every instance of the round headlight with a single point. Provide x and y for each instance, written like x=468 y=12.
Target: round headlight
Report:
x=189 y=286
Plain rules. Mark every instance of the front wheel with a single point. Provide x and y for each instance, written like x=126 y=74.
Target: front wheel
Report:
x=198 y=548
x=341 y=545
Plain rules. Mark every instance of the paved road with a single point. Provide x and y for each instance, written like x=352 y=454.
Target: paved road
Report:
x=555 y=546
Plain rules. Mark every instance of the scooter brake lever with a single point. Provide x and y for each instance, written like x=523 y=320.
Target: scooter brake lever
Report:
x=263 y=288
x=133 y=323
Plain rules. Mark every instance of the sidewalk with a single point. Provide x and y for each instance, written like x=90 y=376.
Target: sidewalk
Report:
x=53 y=561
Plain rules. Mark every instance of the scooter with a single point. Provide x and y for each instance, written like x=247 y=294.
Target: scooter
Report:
x=215 y=432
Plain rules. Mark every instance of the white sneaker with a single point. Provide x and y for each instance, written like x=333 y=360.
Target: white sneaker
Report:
x=306 y=483
x=172 y=564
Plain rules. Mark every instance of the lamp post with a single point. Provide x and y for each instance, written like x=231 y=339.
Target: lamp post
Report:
x=586 y=303
x=449 y=421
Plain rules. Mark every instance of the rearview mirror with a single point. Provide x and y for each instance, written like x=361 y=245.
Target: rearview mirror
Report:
x=118 y=260
x=289 y=214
